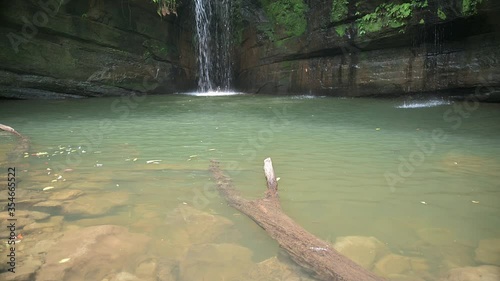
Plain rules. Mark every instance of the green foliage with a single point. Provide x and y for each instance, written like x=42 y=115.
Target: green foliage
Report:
x=237 y=21
x=341 y=29
x=158 y=49
x=288 y=14
x=388 y=15
x=469 y=7
x=166 y=7
x=268 y=30
x=441 y=14
x=339 y=10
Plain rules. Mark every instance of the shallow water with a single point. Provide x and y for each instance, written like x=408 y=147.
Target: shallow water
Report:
x=421 y=179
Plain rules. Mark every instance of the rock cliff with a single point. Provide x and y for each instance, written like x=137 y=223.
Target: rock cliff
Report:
x=381 y=48
x=80 y=48
x=91 y=48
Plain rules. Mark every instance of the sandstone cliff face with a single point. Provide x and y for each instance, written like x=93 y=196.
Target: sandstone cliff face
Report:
x=91 y=48
x=440 y=49
x=105 y=48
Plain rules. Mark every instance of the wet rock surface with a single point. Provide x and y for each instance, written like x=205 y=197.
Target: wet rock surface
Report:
x=95 y=204
x=113 y=54
x=91 y=253
x=479 y=273
x=25 y=270
x=215 y=262
x=25 y=220
x=273 y=269
x=186 y=226
x=363 y=250
x=488 y=252
x=334 y=58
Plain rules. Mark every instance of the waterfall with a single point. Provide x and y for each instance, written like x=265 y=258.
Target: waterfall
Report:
x=213 y=30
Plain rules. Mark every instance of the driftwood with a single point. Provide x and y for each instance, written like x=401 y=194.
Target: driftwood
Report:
x=22 y=146
x=308 y=251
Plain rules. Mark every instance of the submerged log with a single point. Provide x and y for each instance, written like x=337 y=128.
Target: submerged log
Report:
x=22 y=146
x=308 y=251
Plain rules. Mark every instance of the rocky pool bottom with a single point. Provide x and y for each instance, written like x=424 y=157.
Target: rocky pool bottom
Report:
x=110 y=192
x=198 y=245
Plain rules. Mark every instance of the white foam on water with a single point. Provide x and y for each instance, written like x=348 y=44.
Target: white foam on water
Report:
x=423 y=104
x=301 y=97
x=212 y=94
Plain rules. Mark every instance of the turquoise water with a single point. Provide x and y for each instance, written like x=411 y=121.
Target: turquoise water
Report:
x=418 y=179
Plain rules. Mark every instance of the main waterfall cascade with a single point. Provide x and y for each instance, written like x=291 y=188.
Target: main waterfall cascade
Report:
x=213 y=30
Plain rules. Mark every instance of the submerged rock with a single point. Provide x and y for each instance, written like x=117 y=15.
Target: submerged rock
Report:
x=91 y=253
x=392 y=264
x=488 y=251
x=67 y=194
x=147 y=269
x=215 y=262
x=25 y=270
x=273 y=269
x=454 y=255
x=48 y=204
x=24 y=218
x=361 y=249
x=185 y=226
x=95 y=204
x=123 y=276
x=479 y=273
x=54 y=224
x=436 y=236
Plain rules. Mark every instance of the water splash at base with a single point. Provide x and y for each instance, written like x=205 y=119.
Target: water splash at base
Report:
x=212 y=94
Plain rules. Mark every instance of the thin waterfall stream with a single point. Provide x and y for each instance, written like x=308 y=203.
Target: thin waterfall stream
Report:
x=213 y=34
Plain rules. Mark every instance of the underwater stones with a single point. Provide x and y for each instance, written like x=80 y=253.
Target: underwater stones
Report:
x=361 y=249
x=185 y=226
x=122 y=276
x=392 y=264
x=52 y=225
x=26 y=198
x=419 y=265
x=41 y=247
x=95 y=204
x=436 y=236
x=25 y=270
x=91 y=185
x=24 y=218
x=166 y=269
x=456 y=255
x=147 y=218
x=273 y=269
x=28 y=214
x=146 y=270
x=215 y=262
x=488 y=251
x=56 y=200
x=402 y=268
x=67 y=194
x=91 y=253
x=201 y=227
x=49 y=204
x=479 y=273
